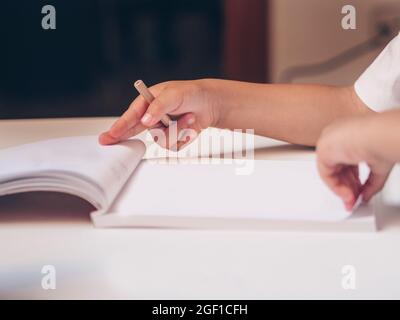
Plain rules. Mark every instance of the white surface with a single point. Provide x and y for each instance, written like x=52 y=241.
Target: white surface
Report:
x=178 y=194
x=131 y=263
x=77 y=165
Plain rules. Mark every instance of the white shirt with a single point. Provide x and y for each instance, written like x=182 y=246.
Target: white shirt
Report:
x=379 y=86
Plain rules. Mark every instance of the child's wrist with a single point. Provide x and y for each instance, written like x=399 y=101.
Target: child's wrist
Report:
x=212 y=96
x=365 y=140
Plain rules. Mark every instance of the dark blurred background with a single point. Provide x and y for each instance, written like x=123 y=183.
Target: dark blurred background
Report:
x=86 y=66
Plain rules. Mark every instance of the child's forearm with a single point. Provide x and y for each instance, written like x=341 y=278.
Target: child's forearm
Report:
x=381 y=136
x=292 y=113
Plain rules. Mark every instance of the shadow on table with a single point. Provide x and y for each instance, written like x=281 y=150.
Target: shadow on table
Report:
x=44 y=207
x=388 y=218
x=281 y=152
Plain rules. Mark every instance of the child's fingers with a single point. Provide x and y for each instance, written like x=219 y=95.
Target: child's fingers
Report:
x=346 y=193
x=159 y=134
x=341 y=181
x=106 y=138
x=181 y=132
x=171 y=134
x=356 y=174
x=188 y=131
x=328 y=175
x=345 y=190
x=373 y=185
x=178 y=134
x=352 y=181
x=130 y=118
x=168 y=100
x=132 y=132
x=133 y=114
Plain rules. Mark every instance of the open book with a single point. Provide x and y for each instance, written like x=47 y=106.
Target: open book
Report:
x=128 y=191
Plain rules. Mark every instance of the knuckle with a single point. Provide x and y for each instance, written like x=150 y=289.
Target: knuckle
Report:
x=134 y=114
x=157 y=107
x=168 y=84
x=174 y=91
x=194 y=87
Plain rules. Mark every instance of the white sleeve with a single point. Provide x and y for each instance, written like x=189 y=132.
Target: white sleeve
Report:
x=379 y=86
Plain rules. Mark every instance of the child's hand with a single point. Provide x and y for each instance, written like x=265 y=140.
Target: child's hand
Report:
x=188 y=102
x=340 y=149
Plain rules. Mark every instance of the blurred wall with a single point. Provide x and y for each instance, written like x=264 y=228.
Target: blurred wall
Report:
x=245 y=40
x=86 y=66
x=308 y=31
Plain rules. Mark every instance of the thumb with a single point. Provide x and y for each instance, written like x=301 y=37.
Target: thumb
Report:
x=169 y=100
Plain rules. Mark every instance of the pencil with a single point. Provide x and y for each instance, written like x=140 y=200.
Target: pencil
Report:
x=147 y=95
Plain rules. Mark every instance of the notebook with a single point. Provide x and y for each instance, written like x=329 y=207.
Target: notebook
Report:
x=128 y=191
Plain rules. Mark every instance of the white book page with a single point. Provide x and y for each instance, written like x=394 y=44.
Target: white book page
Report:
x=69 y=161
x=276 y=190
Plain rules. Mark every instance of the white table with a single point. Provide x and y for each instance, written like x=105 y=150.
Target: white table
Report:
x=169 y=264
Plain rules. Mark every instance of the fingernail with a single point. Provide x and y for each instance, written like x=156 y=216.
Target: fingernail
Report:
x=348 y=206
x=102 y=139
x=348 y=198
x=191 y=121
x=115 y=130
x=146 y=119
x=106 y=139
